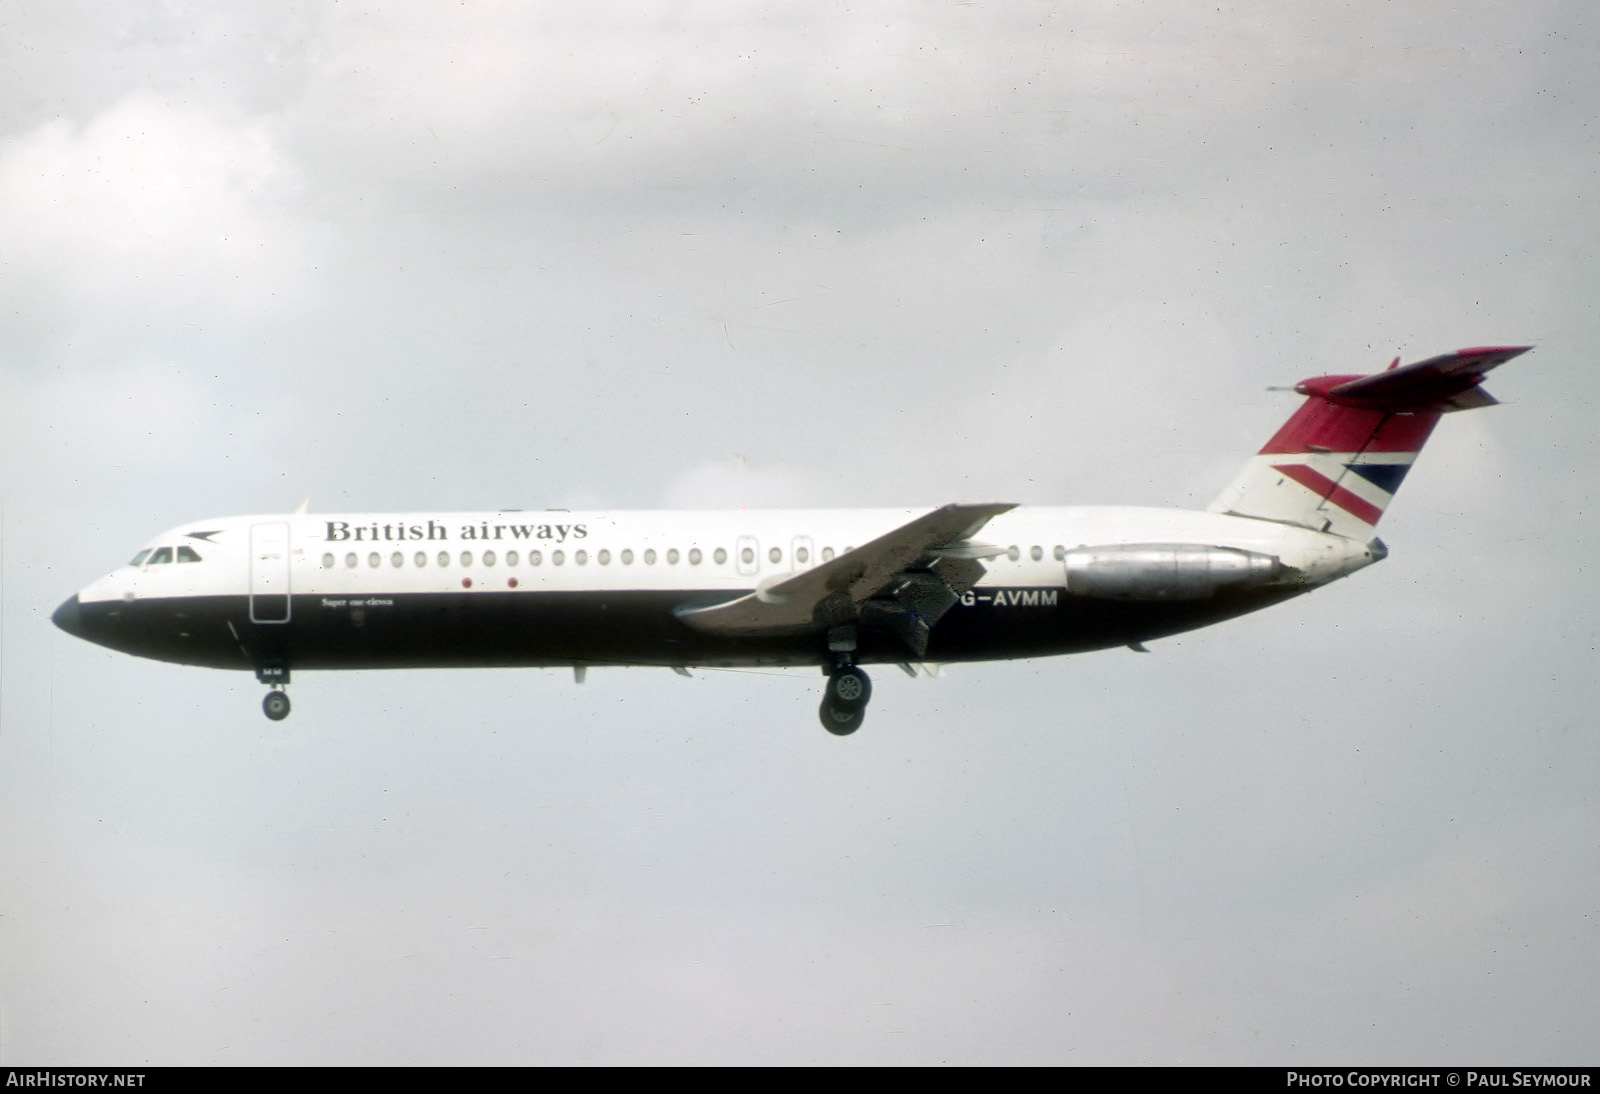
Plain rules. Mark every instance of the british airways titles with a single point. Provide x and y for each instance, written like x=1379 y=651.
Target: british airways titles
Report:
x=340 y=531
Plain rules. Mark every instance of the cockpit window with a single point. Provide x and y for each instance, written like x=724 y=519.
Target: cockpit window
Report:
x=162 y=554
x=187 y=554
x=138 y=559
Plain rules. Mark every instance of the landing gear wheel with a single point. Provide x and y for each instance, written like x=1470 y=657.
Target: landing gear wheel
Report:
x=276 y=705
x=849 y=689
x=844 y=701
x=840 y=723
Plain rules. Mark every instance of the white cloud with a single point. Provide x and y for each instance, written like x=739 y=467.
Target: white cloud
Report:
x=734 y=483
x=149 y=207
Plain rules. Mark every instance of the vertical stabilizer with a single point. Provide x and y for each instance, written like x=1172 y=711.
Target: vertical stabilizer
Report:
x=1336 y=463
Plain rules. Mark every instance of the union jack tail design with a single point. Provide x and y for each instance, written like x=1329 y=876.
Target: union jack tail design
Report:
x=1336 y=464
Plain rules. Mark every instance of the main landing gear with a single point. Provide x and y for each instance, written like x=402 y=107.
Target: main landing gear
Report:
x=276 y=703
x=844 y=700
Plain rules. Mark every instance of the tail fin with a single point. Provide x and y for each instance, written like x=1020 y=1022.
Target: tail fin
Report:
x=1337 y=462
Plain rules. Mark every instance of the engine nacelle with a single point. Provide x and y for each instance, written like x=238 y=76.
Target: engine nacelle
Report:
x=1166 y=571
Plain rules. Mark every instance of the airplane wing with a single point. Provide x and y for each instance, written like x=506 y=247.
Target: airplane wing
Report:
x=896 y=563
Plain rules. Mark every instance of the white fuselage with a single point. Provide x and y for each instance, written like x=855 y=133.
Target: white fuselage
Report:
x=368 y=554
x=835 y=588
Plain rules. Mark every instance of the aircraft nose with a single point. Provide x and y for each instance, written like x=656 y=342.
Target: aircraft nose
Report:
x=69 y=617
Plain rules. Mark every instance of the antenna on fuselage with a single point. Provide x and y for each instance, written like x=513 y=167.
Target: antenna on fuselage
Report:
x=300 y=510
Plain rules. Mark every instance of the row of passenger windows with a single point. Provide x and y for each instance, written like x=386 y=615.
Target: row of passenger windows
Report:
x=156 y=556
x=603 y=557
x=580 y=557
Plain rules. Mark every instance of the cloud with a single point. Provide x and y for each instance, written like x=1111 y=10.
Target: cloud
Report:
x=682 y=97
x=734 y=482
x=149 y=208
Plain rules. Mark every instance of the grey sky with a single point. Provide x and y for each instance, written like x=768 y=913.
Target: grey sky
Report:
x=414 y=257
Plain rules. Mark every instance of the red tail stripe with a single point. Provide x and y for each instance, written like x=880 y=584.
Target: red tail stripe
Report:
x=1320 y=484
x=1343 y=429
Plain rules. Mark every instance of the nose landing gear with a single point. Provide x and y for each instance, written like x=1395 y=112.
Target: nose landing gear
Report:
x=275 y=704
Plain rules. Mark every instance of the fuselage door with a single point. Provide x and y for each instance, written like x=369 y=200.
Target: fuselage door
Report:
x=269 y=573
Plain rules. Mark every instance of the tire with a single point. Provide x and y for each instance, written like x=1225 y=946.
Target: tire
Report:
x=849 y=689
x=840 y=722
x=275 y=705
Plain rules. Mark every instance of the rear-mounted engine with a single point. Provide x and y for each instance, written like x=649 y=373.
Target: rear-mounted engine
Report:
x=1168 y=571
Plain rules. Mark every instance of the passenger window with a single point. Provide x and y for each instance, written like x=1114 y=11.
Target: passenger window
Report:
x=511 y=558
x=488 y=558
x=580 y=557
x=350 y=560
x=694 y=556
x=627 y=556
x=421 y=559
x=720 y=555
x=827 y=554
x=162 y=554
x=327 y=561
x=1013 y=553
x=650 y=556
x=557 y=558
x=444 y=559
x=466 y=558
x=373 y=560
x=1036 y=553
x=1061 y=553
x=776 y=555
x=802 y=556
x=534 y=558
x=397 y=560
x=747 y=556
x=187 y=553
x=672 y=556
x=604 y=558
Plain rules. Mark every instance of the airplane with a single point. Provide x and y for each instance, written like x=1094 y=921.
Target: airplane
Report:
x=837 y=589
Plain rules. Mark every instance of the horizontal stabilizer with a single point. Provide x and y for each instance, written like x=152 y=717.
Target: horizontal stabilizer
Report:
x=1445 y=383
x=1336 y=463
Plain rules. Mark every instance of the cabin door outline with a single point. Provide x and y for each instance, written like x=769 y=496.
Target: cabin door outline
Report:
x=269 y=573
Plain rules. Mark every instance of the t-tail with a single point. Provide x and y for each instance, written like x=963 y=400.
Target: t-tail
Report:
x=1336 y=464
